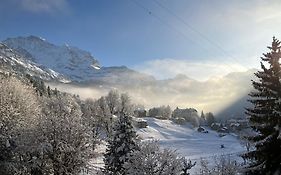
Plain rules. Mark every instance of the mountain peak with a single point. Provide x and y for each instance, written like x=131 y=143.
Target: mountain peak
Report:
x=13 y=62
x=70 y=61
x=33 y=37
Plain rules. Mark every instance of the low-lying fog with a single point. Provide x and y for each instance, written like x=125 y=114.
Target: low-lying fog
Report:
x=214 y=95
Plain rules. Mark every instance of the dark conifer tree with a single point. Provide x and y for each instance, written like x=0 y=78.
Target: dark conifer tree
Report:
x=203 y=116
x=49 y=91
x=265 y=116
x=122 y=143
x=210 y=118
x=202 y=119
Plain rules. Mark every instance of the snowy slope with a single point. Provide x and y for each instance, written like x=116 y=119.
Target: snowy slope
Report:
x=189 y=142
x=67 y=60
x=77 y=64
x=13 y=62
x=186 y=141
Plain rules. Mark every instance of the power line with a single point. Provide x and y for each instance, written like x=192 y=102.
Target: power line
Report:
x=172 y=28
x=162 y=21
x=196 y=31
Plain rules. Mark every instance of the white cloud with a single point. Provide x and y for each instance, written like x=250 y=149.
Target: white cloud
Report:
x=169 y=68
x=44 y=6
x=214 y=95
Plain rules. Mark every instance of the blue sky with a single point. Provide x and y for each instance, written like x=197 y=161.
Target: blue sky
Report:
x=197 y=38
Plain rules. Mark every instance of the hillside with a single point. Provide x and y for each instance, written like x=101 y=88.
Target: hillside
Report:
x=187 y=141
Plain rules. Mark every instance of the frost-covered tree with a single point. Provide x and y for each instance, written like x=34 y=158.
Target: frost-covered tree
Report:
x=265 y=115
x=91 y=118
x=112 y=105
x=102 y=112
x=125 y=106
x=202 y=119
x=121 y=144
x=62 y=128
x=149 y=159
x=113 y=101
x=162 y=112
x=221 y=165
x=186 y=166
x=210 y=118
x=19 y=111
x=166 y=112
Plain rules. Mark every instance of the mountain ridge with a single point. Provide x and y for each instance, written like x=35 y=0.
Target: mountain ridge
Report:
x=76 y=64
x=13 y=62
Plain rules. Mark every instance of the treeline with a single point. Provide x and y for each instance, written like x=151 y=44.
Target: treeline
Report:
x=44 y=131
x=180 y=116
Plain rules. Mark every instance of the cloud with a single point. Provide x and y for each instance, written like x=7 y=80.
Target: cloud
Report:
x=214 y=95
x=44 y=6
x=169 y=68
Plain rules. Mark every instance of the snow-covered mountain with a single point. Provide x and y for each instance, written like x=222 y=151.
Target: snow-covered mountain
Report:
x=77 y=64
x=70 y=61
x=13 y=62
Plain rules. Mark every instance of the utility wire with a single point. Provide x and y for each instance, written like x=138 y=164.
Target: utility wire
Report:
x=173 y=28
x=162 y=21
x=196 y=31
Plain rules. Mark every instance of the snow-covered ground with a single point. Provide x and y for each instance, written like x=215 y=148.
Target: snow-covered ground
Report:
x=188 y=141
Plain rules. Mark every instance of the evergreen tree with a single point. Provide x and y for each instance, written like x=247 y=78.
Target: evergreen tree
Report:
x=49 y=91
x=56 y=92
x=202 y=120
x=210 y=118
x=203 y=116
x=122 y=143
x=265 y=115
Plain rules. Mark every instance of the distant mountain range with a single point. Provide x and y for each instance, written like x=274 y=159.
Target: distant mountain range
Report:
x=73 y=69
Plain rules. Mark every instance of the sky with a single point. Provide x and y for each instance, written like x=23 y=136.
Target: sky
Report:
x=201 y=39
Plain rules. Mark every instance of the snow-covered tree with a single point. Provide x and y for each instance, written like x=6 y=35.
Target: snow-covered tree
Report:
x=162 y=112
x=62 y=128
x=221 y=165
x=102 y=112
x=265 y=115
x=186 y=166
x=91 y=118
x=121 y=144
x=202 y=119
x=19 y=111
x=166 y=112
x=210 y=118
x=149 y=159
x=111 y=105
x=126 y=106
x=113 y=101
